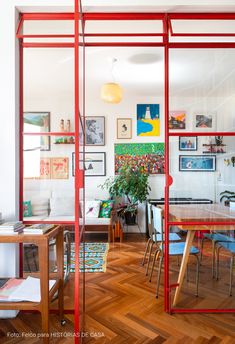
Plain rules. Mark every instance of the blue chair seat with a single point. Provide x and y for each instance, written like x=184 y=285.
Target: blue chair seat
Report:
x=230 y=246
x=177 y=249
x=172 y=237
x=218 y=237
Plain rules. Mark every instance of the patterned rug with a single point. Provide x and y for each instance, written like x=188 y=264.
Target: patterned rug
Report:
x=93 y=257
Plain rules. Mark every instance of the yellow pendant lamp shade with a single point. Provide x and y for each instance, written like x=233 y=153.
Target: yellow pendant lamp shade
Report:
x=111 y=92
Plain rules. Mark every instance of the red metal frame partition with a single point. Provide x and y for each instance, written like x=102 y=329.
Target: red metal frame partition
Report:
x=167 y=32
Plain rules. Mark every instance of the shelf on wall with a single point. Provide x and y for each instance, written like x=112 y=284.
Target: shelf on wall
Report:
x=213 y=145
x=64 y=143
x=214 y=152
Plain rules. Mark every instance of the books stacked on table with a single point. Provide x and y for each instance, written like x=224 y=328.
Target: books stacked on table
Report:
x=39 y=228
x=11 y=228
x=16 y=290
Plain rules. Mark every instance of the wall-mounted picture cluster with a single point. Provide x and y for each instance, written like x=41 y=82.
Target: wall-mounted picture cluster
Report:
x=149 y=156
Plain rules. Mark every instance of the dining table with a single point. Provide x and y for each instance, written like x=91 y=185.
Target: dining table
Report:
x=201 y=215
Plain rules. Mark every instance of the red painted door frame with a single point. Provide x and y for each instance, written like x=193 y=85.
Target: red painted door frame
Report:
x=167 y=32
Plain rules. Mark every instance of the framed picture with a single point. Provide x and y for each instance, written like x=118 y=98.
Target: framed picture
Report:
x=188 y=143
x=94 y=164
x=45 y=168
x=59 y=168
x=197 y=163
x=177 y=120
x=150 y=156
x=148 y=119
x=38 y=122
x=205 y=122
x=124 y=128
x=94 y=131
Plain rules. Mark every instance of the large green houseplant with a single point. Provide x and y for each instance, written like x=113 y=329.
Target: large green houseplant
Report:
x=132 y=185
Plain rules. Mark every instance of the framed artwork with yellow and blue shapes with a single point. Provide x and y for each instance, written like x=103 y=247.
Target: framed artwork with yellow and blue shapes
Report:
x=148 y=119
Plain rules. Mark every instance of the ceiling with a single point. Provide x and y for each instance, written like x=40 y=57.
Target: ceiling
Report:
x=140 y=71
x=133 y=6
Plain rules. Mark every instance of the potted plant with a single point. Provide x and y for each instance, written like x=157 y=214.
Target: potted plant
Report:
x=227 y=196
x=131 y=184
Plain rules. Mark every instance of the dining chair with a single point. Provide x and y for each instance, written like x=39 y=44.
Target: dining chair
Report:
x=215 y=238
x=154 y=238
x=175 y=248
x=230 y=247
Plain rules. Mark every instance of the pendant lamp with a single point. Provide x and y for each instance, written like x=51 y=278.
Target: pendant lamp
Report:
x=111 y=92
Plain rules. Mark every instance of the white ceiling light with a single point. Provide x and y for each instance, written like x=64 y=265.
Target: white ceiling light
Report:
x=111 y=92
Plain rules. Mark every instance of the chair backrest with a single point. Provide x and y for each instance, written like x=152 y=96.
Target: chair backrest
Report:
x=157 y=221
x=150 y=217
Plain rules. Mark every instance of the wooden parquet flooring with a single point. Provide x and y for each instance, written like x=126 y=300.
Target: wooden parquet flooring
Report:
x=121 y=303
x=121 y=307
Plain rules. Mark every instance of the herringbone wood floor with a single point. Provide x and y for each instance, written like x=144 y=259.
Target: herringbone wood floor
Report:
x=121 y=303
x=121 y=306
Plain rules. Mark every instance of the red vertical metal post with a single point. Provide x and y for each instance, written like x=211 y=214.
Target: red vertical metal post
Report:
x=77 y=174
x=167 y=176
x=21 y=143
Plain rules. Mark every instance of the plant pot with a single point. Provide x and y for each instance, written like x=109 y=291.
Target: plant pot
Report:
x=130 y=218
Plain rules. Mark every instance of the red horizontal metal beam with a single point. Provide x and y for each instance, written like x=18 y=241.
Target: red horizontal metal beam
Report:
x=123 y=16
x=50 y=222
x=205 y=133
x=202 y=310
x=200 y=223
x=66 y=133
x=122 y=44
x=122 y=34
x=47 y=45
x=48 y=16
x=201 y=16
x=45 y=36
x=202 y=45
x=181 y=34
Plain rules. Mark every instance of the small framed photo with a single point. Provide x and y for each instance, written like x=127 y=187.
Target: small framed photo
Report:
x=124 y=128
x=95 y=131
x=177 y=120
x=188 y=143
x=35 y=122
x=205 y=122
x=94 y=164
x=197 y=163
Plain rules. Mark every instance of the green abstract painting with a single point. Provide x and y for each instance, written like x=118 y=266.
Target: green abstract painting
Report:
x=150 y=156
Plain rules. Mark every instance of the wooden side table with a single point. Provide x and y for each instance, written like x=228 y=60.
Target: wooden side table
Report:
x=42 y=241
